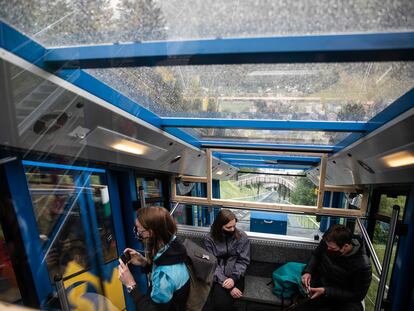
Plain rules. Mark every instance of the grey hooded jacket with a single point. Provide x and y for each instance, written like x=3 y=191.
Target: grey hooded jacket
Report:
x=233 y=256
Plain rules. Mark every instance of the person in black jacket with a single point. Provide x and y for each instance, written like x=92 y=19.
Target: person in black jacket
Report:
x=166 y=259
x=338 y=274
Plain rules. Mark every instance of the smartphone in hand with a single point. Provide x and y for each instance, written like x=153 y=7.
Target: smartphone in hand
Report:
x=125 y=257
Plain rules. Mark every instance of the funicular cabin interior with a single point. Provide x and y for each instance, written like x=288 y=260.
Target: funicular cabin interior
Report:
x=294 y=115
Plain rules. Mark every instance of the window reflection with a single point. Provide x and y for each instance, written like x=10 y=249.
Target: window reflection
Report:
x=51 y=196
x=104 y=217
x=55 y=200
x=64 y=218
x=152 y=187
x=49 y=209
x=191 y=189
x=68 y=252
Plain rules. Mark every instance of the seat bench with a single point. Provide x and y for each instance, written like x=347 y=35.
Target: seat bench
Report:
x=268 y=252
x=258 y=289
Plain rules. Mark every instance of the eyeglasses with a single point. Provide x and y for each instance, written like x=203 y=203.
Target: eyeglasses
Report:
x=138 y=233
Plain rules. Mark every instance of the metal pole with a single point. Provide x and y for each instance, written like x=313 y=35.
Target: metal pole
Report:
x=371 y=249
x=7 y=160
x=141 y=194
x=174 y=208
x=61 y=293
x=387 y=257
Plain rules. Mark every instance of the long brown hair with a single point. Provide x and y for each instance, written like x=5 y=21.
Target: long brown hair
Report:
x=223 y=218
x=158 y=221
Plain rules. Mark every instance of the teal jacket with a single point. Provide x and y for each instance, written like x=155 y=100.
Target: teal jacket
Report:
x=169 y=272
x=170 y=281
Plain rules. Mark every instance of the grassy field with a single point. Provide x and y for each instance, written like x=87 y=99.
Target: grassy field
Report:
x=229 y=190
x=372 y=291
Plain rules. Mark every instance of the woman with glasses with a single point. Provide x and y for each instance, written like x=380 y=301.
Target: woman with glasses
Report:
x=165 y=259
x=232 y=249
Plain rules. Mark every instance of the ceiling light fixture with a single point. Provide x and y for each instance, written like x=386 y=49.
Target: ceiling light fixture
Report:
x=129 y=148
x=107 y=139
x=397 y=159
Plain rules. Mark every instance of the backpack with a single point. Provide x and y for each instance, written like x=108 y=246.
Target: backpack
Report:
x=287 y=280
x=201 y=266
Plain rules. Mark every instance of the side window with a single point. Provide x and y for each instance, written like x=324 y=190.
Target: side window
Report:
x=52 y=193
x=68 y=253
x=152 y=189
x=387 y=202
x=379 y=240
x=104 y=216
x=56 y=204
x=65 y=210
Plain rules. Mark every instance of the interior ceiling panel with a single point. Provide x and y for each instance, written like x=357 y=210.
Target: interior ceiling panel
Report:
x=74 y=136
x=363 y=162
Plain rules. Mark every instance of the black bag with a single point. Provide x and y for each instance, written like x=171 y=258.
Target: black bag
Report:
x=201 y=265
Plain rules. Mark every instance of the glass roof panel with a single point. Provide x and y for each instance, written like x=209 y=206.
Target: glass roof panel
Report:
x=317 y=91
x=62 y=22
x=268 y=136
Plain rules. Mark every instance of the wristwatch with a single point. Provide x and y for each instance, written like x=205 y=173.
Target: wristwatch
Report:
x=130 y=288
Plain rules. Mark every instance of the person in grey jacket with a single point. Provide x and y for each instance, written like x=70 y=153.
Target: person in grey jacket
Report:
x=232 y=249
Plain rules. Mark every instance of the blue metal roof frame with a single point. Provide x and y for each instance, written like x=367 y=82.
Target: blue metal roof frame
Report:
x=62 y=166
x=325 y=126
x=271 y=147
x=299 y=49
x=285 y=161
x=265 y=157
x=271 y=166
x=323 y=48
x=270 y=162
x=239 y=159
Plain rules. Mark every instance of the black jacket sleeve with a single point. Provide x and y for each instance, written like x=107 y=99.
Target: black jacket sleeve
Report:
x=315 y=259
x=144 y=302
x=360 y=284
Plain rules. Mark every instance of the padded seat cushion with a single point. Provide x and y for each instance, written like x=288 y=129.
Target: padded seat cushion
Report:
x=257 y=289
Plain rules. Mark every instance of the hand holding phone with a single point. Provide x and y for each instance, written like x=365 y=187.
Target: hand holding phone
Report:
x=135 y=257
x=125 y=257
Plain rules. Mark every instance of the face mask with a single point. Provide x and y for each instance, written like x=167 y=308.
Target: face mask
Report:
x=227 y=233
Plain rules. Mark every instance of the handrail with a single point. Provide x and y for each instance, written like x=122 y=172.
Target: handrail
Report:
x=63 y=299
x=332 y=212
x=387 y=257
x=7 y=160
x=141 y=194
x=371 y=249
x=174 y=208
